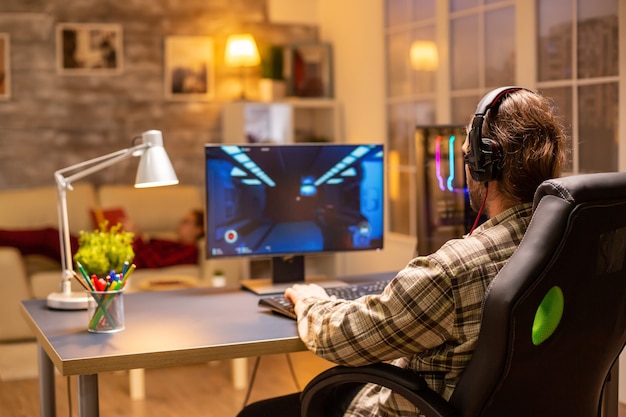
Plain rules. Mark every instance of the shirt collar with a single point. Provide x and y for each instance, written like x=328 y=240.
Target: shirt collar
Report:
x=515 y=212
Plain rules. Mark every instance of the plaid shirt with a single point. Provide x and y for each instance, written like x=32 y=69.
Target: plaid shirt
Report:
x=427 y=319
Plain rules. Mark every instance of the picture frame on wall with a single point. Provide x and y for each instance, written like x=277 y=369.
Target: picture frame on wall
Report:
x=309 y=69
x=89 y=48
x=5 y=67
x=189 y=68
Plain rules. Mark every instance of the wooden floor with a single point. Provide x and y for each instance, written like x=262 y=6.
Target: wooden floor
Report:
x=193 y=391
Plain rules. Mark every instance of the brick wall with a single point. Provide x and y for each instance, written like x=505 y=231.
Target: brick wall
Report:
x=52 y=121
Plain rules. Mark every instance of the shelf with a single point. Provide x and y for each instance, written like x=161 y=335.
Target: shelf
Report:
x=286 y=121
x=326 y=103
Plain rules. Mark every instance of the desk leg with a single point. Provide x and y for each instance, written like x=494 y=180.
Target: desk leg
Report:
x=137 y=384
x=47 y=395
x=88 y=396
x=239 y=372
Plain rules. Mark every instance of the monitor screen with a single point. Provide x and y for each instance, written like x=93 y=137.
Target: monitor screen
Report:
x=297 y=199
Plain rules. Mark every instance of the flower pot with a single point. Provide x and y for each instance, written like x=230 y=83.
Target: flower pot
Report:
x=218 y=280
x=272 y=90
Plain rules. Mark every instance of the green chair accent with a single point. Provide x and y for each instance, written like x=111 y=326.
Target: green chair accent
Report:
x=548 y=315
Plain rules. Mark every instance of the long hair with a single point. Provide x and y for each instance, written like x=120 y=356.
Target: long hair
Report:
x=532 y=137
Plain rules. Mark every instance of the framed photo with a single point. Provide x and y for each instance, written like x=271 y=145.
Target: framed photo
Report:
x=309 y=70
x=189 y=68
x=5 y=67
x=89 y=48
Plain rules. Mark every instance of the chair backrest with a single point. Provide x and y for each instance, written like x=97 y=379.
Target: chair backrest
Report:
x=554 y=319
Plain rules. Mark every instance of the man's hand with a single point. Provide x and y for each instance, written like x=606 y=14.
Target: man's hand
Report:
x=297 y=292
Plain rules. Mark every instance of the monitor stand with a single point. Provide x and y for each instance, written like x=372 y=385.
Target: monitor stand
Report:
x=286 y=271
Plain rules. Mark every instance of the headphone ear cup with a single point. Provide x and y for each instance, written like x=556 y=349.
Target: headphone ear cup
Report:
x=492 y=154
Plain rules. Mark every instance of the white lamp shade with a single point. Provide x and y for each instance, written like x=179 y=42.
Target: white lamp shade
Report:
x=155 y=168
x=241 y=51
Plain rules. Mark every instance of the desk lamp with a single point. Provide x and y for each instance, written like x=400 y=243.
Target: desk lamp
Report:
x=155 y=169
x=241 y=51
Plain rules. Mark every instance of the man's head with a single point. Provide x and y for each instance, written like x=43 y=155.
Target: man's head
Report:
x=523 y=144
x=191 y=227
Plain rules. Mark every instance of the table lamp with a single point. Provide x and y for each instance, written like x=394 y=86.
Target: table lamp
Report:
x=241 y=52
x=155 y=169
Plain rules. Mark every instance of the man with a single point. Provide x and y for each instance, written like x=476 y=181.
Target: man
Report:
x=428 y=317
x=149 y=253
x=158 y=253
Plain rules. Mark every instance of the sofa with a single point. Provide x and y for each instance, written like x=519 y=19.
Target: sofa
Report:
x=155 y=211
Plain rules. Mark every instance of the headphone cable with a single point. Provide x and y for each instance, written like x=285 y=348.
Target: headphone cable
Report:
x=480 y=210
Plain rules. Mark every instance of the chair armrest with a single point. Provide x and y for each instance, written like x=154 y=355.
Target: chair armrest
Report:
x=404 y=382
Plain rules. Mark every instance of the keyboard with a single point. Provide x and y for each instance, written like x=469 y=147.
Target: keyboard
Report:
x=279 y=304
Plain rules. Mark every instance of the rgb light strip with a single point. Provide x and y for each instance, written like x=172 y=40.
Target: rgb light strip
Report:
x=448 y=183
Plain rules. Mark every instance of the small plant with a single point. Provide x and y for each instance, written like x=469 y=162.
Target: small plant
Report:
x=105 y=249
x=218 y=280
x=272 y=63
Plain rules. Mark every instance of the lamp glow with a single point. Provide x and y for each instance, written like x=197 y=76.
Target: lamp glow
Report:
x=424 y=56
x=155 y=169
x=241 y=51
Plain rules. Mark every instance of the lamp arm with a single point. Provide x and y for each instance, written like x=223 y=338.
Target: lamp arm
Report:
x=96 y=164
x=64 y=183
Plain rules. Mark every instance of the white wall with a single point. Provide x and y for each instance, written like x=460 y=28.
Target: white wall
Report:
x=292 y=11
x=356 y=30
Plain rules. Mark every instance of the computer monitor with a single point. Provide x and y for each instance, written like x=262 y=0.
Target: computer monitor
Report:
x=285 y=201
x=443 y=210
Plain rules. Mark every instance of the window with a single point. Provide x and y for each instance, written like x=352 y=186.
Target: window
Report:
x=482 y=45
x=577 y=65
x=571 y=56
x=412 y=59
x=424 y=88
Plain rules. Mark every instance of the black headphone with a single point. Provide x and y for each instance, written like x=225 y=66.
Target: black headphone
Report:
x=485 y=157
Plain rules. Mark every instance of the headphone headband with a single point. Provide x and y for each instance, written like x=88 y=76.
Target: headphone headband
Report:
x=493 y=98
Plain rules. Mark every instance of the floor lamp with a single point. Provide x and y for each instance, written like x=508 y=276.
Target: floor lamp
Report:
x=155 y=169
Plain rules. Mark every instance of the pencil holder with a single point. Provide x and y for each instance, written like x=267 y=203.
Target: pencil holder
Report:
x=105 y=310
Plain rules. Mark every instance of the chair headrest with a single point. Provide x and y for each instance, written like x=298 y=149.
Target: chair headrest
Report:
x=581 y=188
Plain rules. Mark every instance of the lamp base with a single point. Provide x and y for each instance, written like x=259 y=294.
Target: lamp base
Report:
x=71 y=301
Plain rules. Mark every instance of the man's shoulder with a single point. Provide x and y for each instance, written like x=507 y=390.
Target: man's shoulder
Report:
x=496 y=240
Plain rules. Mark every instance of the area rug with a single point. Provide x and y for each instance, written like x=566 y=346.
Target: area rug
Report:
x=18 y=361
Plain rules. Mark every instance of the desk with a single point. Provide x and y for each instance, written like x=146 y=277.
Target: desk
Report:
x=163 y=328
